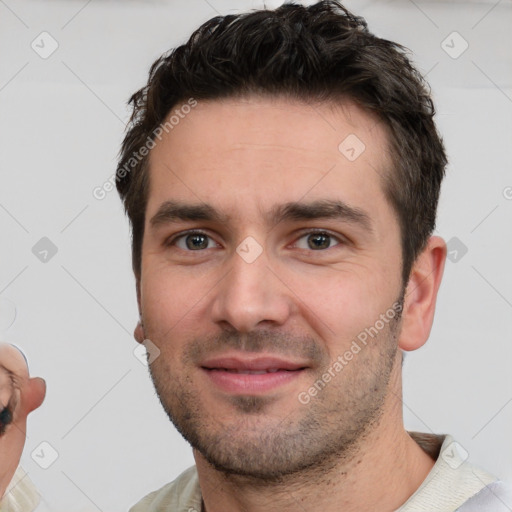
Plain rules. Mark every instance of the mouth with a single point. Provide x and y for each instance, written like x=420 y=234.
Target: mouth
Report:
x=251 y=375
x=250 y=372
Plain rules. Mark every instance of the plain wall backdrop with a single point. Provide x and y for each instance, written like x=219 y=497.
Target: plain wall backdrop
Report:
x=73 y=308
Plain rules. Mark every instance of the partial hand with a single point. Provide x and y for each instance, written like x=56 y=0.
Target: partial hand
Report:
x=19 y=395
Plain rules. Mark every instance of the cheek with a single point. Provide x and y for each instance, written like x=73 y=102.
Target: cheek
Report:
x=172 y=299
x=340 y=305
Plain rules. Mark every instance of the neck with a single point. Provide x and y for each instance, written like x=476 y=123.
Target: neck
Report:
x=381 y=473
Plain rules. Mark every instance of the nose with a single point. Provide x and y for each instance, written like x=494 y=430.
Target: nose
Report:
x=251 y=296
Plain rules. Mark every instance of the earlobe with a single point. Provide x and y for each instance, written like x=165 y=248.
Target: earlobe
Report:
x=138 y=333
x=421 y=295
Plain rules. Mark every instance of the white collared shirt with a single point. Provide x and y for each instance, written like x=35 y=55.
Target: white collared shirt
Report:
x=452 y=485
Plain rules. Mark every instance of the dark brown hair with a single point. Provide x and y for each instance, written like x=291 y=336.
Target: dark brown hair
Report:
x=317 y=53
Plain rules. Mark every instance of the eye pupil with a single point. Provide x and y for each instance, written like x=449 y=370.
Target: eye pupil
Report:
x=319 y=241
x=197 y=241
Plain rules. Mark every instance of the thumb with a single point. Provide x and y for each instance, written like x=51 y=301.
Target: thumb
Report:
x=34 y=393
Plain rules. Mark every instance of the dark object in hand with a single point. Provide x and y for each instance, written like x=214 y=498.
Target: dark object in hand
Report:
x=5 y=419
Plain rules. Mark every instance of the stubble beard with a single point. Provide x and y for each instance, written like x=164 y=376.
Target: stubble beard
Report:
x=259 y=444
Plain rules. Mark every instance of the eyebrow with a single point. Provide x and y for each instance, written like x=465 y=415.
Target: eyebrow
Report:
x=321 y=209
x=171 y=211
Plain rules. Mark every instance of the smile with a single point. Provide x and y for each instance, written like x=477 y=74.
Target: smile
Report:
x=240 y=374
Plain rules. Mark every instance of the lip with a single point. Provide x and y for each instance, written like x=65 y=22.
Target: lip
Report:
x=234 y=374
x=251 y=363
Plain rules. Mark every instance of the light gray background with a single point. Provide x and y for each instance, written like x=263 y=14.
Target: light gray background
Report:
x=61 y=124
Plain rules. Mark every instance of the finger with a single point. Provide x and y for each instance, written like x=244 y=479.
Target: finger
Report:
x=14 y=360
x=34 y=394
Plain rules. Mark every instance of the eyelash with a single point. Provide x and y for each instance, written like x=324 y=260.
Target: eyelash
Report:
x=342 y=241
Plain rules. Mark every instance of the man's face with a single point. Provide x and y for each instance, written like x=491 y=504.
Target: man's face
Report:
x=269 y=254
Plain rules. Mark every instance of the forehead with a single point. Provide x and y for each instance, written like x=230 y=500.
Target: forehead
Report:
x=258 y=151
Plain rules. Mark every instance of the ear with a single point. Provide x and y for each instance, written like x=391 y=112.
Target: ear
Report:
x=138 y=333
x=421 y=295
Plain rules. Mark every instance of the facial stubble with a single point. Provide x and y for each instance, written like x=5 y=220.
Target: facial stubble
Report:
x=256 y=440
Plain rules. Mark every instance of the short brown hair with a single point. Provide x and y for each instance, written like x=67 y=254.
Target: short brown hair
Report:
x=321 y=52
